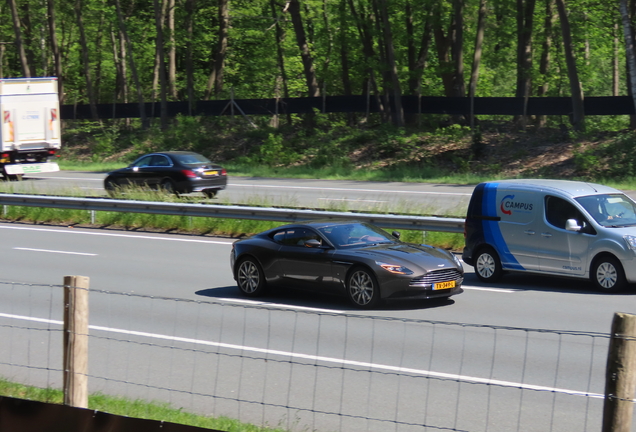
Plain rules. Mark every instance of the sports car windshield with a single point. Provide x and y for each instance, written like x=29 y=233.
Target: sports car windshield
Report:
x=352 y=235
x=611 y=210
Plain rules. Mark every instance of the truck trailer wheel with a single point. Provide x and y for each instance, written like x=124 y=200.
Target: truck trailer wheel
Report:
x=488 y=265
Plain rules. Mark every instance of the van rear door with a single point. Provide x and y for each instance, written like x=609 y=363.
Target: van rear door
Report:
x=518 y=211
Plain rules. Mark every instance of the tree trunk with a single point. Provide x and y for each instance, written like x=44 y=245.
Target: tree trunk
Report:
x=544 y=65
x=216 y=76
x=190 y=7
x=578 y=115
x=293 y=8
x=19 y=44
x=369 y=85
x=55 y=48
x=479 y=41
x=525 y=15
x=85 y=60
x=129 y=52
x=27 y=35
x=615 y=68
x=280 y=38
x=629 y=49
x=159 y=19
x=443 y=43
x=172 y=53
x=396 y=91
x=417 y=63
x=457 y=47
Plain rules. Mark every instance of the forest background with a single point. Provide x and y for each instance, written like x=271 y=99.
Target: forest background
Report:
x=108 y=51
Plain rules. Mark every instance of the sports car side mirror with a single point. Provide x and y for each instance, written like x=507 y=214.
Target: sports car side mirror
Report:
x=396 y=234
x=313 y=243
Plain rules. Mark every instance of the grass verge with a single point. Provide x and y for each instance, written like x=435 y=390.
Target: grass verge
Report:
x=232 y=228
x=132 y=408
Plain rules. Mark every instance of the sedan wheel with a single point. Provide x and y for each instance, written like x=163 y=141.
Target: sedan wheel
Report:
x=250 y=278
x=168 y=186
x=363 y=289
x=607 y=275
x=487 y=265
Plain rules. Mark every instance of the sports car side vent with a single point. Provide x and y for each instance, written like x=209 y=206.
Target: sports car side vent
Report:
x=435 y=276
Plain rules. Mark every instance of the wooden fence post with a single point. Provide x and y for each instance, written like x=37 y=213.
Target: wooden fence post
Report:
x=620 y=377
x=76 y=341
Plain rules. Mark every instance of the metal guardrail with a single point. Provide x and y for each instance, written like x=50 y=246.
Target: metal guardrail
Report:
x=288 y=215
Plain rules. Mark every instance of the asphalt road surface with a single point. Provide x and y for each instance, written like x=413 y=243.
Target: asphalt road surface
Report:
x=423 y=198
x=223 y=346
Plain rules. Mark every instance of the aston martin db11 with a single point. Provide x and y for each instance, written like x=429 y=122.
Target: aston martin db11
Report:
x=356 y=259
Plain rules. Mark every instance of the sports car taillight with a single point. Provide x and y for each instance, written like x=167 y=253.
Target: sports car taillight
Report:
x=224 y=172
x=189 y=173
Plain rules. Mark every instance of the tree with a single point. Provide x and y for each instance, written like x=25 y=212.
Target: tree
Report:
x=578 y=116
x=293 y=7
x=85 y=60
x=479 y=41
x=218 y=63
x=57 y=57
x=26 y=71
x=525 y=19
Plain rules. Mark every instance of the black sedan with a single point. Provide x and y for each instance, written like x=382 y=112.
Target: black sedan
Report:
x=176 y=172
x=356 y=259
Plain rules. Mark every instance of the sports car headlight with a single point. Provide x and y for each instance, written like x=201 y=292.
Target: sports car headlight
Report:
x=457 y=261
x=631 y=242
x=397 y=269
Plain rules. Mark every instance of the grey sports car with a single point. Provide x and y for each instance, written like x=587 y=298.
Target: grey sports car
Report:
x=356 y=259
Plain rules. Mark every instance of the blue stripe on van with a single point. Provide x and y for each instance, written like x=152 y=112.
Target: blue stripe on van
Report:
x=492 y=233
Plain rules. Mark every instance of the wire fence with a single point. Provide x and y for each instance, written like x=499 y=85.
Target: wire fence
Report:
x=303 y=369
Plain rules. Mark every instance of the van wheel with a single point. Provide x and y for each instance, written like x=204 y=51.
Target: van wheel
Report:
x=607 y=275
x=488 y=265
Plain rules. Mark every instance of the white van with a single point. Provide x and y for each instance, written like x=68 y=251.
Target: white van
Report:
x=552 y=227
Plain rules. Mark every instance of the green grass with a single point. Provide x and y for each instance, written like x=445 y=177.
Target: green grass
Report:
x=233 y=228
x=132 y=408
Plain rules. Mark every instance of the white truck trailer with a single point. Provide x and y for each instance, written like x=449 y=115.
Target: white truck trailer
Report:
x=30 y=135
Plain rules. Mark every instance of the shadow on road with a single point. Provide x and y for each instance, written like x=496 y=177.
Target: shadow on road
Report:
x=317 y=300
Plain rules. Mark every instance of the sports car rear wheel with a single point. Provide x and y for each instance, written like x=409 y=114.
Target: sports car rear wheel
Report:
x=362 y=288
x=250 y=278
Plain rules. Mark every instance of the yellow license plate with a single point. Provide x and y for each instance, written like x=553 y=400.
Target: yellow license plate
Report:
x=444 y=285
x=211 y=173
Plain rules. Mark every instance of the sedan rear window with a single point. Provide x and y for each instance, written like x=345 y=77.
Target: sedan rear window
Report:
x=191 y=159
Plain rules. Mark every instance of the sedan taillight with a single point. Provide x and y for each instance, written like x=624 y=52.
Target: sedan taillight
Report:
x=223 y=171
x=189 y=173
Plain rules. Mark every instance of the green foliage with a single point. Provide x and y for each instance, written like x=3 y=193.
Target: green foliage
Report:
x=615 y=159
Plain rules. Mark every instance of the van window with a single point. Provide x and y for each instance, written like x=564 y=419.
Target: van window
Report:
x=558 y=211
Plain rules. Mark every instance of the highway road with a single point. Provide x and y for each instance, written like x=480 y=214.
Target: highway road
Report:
x=304 y=360
x=420 y=198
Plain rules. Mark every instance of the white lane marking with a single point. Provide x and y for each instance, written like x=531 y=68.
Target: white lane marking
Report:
x=71 y=231
x=501 y=290
x=311 y=357
x=64 y=178
x=265 y=186
x=352 y=199
x=259 y=303
x=55 y=251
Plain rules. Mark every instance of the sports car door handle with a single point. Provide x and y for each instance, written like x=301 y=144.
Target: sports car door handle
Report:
x=546 y=234
x=529 y=232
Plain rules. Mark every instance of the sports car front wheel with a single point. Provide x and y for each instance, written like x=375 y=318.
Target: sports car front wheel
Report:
x=250 y=278
x=363 y=289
